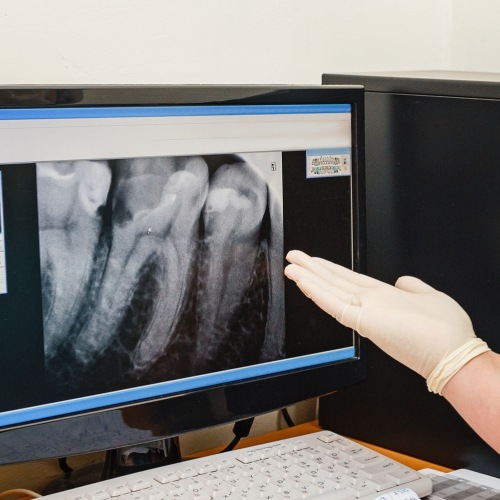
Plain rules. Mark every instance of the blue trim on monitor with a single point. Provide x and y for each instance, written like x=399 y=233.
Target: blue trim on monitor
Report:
x=159 y=111
x=53 y=410
x=329 y=151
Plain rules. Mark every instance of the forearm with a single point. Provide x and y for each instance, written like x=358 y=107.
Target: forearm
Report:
x=475 y=393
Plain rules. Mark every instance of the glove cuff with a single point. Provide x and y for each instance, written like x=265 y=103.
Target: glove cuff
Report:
x=453 y=362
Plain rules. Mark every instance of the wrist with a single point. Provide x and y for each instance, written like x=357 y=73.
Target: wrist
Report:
x=473 y=392
x=451 y=364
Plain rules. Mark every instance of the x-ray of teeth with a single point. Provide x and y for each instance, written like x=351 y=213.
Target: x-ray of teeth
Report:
x=155 y=268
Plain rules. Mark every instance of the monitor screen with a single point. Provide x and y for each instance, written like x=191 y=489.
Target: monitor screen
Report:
x=142 y=241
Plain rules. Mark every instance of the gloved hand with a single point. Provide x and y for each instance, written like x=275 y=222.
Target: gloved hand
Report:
x=415 y=324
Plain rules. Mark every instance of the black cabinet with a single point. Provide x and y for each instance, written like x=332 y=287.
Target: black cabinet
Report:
x=433 y=211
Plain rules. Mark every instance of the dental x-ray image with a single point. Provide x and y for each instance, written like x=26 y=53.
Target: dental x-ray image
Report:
x=159 y=268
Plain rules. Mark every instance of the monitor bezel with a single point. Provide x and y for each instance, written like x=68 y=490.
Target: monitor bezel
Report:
x=180 y=413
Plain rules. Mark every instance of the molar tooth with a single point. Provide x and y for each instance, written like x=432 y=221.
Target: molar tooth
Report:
x=233 y=214
x=165 y=195
x=180 y=256
x=69 y=197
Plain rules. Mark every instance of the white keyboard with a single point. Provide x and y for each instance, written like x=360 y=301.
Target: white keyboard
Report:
x=313 y=465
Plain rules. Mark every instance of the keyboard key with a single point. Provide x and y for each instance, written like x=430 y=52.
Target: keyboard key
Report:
x=226 y=464
x=328 y=437
x=316 y=475
x=384 y=466
x=205 y=467
x=118 y=489
x=381 y=482
x=362 y=489
x=402 y=476
x=325 y=485
x=283 y=448
x=99 y=495
x=267 y=452
x=187 y=472
x=357 y=475
x=353 y=451
x=312 y=453
x=342 y=444
x=367 y=459
x=307 y=489
x=166 y=476
x=248 y=457
x=139 y=484
x=341 y=481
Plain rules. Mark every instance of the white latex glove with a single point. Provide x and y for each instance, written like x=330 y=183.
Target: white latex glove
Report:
x=415 y=324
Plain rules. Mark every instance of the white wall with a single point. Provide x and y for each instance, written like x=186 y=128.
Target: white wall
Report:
x=240 y=41
x=475 y=35
x=216 y=41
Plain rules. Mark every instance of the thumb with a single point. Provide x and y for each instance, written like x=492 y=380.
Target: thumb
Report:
x=412 y=284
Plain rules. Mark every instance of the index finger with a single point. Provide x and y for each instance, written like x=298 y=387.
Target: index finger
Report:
x=319 y=266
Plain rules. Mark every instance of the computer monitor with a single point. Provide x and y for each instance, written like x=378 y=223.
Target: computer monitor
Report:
x=142 y=243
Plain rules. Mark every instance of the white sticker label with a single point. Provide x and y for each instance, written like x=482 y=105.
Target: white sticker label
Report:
x=328 y=163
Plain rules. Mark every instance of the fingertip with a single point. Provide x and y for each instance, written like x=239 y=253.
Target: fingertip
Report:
x=291 y=271
x=291 y=255
x=288 y=273
x=296 y=256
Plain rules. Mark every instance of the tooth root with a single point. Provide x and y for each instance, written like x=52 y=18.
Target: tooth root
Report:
x=69 y=197
x=273 y=346
x=156 y=208
x=232 y=215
